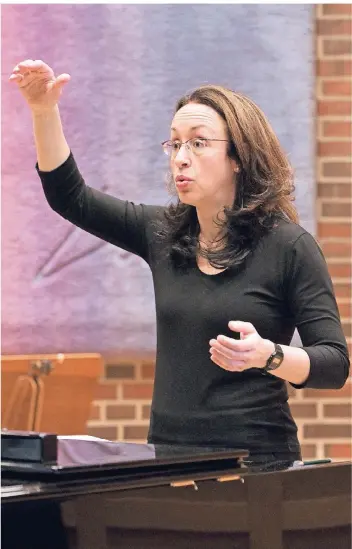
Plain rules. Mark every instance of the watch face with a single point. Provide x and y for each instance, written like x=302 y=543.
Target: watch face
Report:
x=276 y=359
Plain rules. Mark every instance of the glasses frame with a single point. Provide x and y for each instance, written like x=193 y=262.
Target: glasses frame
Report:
x=186 y=143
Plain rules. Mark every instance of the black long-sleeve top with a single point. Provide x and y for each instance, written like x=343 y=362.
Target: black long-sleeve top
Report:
x=285 y=284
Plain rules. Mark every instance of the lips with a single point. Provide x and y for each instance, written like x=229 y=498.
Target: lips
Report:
x=182 y=179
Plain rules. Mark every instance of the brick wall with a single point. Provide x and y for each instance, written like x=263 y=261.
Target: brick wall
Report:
x=122 y=406
x=328 y=431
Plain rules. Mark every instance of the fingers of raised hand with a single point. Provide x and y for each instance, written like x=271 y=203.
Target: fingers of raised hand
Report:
x=21 y=70
x=28 y=67
x=23 y=67
x=63 y=79
x=15 y=77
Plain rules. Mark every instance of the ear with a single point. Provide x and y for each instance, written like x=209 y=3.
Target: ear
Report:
x=235 y=166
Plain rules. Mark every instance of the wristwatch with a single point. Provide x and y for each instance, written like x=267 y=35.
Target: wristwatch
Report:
x=274 y=360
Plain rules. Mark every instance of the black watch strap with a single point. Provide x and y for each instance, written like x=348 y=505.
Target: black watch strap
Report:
x=275 y=359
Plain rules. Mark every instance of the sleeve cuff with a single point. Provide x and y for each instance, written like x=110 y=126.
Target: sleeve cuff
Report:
x=67 y=166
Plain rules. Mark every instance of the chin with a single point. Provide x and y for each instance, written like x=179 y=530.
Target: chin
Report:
x=186 y=200
x=188 y=197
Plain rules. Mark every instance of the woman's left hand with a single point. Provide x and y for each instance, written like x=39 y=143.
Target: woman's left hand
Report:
x=251 y=351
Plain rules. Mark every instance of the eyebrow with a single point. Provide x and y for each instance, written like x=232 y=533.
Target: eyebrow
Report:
x=194 y=127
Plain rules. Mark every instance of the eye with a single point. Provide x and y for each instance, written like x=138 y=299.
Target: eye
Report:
x=175 y=145
x=199 y=143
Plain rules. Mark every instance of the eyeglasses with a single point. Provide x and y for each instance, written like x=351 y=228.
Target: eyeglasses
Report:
x=196 y=145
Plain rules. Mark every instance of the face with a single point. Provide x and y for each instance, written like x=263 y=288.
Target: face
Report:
x=210 y=171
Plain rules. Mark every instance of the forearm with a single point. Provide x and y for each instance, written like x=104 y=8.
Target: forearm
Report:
x=295 y=367
x=51 y=145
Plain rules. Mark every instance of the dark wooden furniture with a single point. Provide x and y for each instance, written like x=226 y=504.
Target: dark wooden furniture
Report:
x=134 y=496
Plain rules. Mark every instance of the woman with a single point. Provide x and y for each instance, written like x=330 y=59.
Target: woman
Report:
x=233 y=272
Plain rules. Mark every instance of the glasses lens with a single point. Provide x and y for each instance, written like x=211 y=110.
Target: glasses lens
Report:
x=197 y=146
x=168 y=148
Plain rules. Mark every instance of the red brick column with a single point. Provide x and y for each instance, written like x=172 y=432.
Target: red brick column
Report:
x=324 y=417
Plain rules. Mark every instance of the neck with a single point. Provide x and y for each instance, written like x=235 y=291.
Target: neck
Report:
x=209 y=232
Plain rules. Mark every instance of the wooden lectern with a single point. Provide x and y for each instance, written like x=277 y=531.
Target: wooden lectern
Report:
x=49 y=393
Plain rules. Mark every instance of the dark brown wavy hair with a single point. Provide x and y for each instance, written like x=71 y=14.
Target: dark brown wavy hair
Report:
x=264 y=185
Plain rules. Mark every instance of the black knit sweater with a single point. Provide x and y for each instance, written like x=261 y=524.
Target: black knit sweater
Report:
x=285 y=284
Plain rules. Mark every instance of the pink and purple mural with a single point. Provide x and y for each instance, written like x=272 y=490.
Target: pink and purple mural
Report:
x=64 y=290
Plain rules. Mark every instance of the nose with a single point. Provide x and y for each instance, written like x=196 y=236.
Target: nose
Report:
x=182 y=157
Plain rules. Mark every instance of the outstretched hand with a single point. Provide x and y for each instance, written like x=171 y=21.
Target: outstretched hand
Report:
x=38 y=84
x=251 y=351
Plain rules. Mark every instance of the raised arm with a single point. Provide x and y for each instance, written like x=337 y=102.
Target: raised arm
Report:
x=119 y=222
x=42 y=90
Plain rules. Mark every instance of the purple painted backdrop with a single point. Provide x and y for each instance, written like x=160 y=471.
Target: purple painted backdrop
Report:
x=64 y=290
